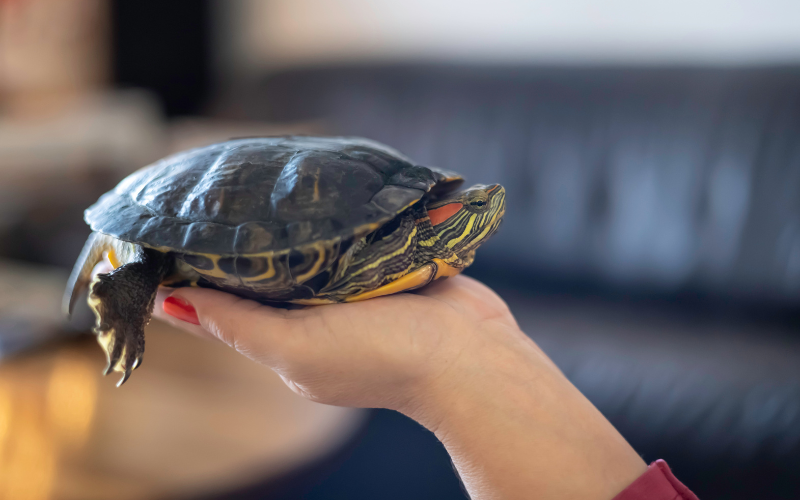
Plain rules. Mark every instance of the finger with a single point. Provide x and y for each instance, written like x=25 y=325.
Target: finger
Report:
x=158 y=312
x=254 y=329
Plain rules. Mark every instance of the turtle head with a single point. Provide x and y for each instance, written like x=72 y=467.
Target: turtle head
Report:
x=465 y=219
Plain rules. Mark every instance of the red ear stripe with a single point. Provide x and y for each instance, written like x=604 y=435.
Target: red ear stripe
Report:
x=441 y=214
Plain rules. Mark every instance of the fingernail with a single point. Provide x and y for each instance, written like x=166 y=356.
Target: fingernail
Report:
x=181 y=309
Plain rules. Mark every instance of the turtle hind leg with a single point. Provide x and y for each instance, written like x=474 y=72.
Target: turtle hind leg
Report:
x=123 y=302
x=98 y=245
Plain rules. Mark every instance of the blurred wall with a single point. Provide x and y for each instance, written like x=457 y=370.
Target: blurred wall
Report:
x=264 y=34
x=51 y=51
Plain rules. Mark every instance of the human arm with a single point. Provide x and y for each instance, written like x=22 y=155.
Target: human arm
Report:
x=451 y=357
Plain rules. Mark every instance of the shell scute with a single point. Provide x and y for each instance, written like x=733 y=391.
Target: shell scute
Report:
x=200 y=262
x=252 y=236
x=263 y=195
x=250 y=267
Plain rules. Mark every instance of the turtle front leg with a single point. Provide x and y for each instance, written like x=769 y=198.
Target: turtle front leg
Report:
x=123 y=302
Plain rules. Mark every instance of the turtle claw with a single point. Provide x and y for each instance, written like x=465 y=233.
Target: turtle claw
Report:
x=108 y=369
x=115 y=353
x=133 y=358
x=125 y=377
x=123 y=350
x=122 y=340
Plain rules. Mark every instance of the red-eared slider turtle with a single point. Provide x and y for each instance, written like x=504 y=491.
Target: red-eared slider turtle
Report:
x=308 y=220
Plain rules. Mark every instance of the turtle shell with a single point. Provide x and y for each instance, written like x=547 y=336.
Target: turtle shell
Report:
x=262 y=195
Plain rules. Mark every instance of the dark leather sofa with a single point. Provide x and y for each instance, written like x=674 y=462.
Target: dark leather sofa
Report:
x=651 y=246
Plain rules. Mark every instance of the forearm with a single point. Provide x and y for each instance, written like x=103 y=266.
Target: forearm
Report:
x=517 y=428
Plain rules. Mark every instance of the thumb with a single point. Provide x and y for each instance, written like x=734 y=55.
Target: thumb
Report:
x=248 y=326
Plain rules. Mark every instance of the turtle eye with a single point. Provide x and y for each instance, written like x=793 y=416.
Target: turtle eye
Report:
x=477 y=203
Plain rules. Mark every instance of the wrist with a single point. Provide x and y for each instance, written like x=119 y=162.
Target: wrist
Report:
x=498 y=362
x=514 y=424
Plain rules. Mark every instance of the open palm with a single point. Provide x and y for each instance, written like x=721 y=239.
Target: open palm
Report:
x=374 y=353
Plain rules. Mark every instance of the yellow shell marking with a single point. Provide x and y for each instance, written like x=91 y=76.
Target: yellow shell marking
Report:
x=315 y=268
x=270 y=272
x=214 y=273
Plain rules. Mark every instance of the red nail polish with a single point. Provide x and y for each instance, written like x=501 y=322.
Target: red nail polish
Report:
x=179 y=308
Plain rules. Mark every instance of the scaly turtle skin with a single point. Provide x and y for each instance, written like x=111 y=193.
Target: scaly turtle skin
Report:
x=307 y=220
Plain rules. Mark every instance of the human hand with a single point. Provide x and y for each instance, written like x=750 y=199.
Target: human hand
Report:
x=388 y=352
x=450 y=356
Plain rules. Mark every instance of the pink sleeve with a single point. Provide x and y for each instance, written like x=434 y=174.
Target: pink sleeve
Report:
x=657 y=483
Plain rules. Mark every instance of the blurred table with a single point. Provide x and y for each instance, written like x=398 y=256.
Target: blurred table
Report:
x=196 y=418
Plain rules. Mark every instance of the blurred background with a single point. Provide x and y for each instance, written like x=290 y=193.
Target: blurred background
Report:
x=651 y=155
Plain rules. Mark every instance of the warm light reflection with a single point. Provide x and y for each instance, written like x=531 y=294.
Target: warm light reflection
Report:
x=45 y=413
x=29 y=459
x=71 y=398
x=5 y=422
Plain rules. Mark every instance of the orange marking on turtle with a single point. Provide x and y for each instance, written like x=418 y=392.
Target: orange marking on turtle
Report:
x=111 y=256
x=441 y=214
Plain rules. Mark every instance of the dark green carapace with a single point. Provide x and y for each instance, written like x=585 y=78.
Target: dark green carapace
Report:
x=308 y=220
